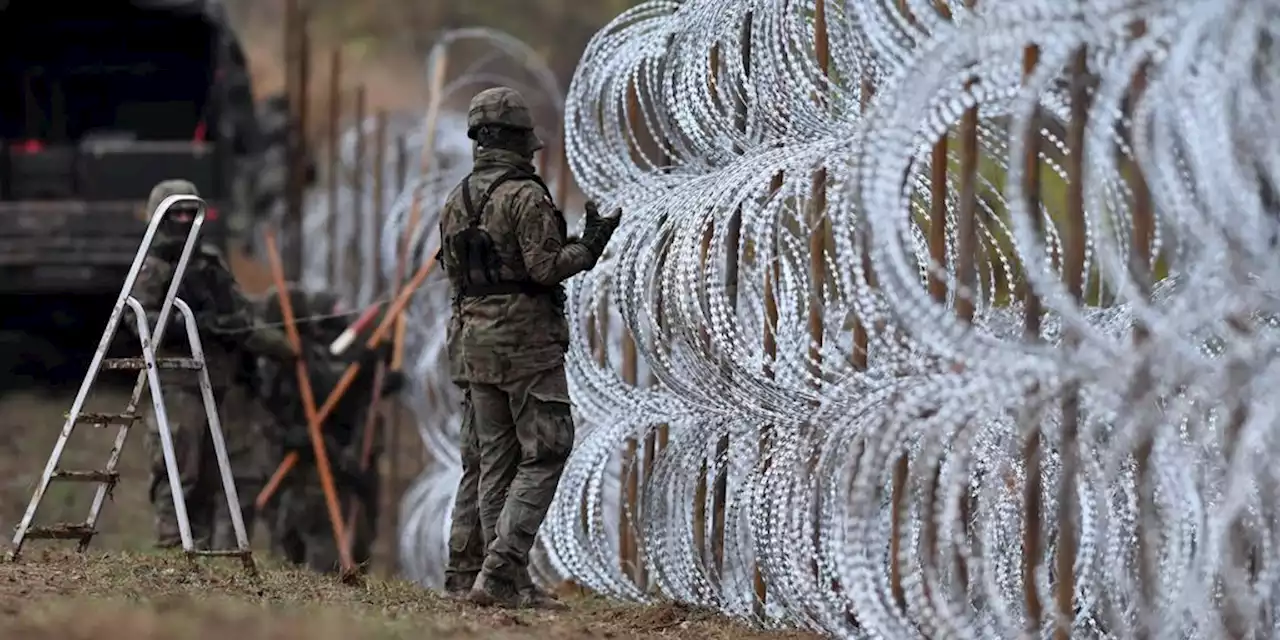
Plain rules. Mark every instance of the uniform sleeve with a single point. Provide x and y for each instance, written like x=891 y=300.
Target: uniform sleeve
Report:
x=235 y=321
x=251 y=334
x=549 y=256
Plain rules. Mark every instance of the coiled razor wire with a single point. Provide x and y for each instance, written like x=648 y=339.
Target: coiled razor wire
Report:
x=892 y=490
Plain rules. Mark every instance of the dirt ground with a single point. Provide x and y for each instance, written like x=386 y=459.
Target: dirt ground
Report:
x=122 y=590
x=140 y=596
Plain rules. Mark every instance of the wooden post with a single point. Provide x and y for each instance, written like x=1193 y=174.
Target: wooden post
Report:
x=630 y=544
x=966 y=266
x=395 y=412
x=402 y=164
x=817 y=217
x=379 y=217
x=771 y=357
x=937 y=289
x=1073 y=263
x=733 y=243
x=656 y=440
x=333 y=147
x=295 y=43
x=1140 y=269
x=564 y=177
x=629 y=548
x=357 y=194
x=1032 y=544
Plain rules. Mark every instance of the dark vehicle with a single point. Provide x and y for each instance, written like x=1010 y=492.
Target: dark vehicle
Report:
x=100 y=100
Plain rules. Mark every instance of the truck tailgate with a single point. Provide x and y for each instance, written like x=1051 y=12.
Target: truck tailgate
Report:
x=68 y=246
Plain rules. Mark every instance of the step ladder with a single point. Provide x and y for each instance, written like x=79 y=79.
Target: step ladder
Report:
x=148 y=367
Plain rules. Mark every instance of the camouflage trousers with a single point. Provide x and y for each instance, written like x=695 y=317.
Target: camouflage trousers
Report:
x=521 y=434
x=466 y=541
x=301 y=531
x=207 y=509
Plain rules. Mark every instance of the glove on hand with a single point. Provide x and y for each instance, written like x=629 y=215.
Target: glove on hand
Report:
x=599 y=229
x=367 y=357
x=392 y=382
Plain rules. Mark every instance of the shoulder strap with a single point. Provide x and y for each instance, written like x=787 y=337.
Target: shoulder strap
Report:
x=472 y=216
x=475 y=212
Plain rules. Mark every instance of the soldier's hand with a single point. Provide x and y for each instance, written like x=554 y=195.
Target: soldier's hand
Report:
x=367 y=357
x=610 y=222
x=599 y=229
x=392 y=383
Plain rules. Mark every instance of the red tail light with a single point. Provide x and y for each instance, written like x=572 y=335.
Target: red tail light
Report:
x=210 y=214
x=201 y=131
x=29 y=146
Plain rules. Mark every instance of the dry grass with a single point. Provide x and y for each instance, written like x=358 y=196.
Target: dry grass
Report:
x=144 y=596
x=120 y=590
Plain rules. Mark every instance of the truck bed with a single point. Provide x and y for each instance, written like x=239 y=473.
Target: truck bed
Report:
x=67 y=246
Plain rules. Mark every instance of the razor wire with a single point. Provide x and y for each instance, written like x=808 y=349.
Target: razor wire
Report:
x=708 y=122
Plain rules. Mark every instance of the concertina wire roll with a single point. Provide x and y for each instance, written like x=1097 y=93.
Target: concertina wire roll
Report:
x=898 y=461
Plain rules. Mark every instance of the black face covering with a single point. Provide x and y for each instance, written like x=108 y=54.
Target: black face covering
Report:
x=172 y=233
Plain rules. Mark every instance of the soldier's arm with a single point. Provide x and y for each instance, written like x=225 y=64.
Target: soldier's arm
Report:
x=268 y=341
x=242 y=328
x=549 y=256
x=236 y=322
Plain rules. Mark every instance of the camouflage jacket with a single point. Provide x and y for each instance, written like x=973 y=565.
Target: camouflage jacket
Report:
x=229 y=329
x=495 y=339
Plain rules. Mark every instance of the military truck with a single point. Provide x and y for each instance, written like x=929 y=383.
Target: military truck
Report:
x=100 y=100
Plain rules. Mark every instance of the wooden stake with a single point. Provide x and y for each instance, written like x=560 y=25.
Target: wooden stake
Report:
x=334 y=156
x=309 y=408
x=1073 y=263
x=1032 y=545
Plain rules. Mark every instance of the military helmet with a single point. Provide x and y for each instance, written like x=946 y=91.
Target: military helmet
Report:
x=168 y=188
x=501 y=106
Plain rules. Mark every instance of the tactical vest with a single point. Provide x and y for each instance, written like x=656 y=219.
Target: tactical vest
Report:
x=473 y=249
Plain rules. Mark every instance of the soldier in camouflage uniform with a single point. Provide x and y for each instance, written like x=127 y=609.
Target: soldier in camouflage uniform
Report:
x=298 y=516
x=230 y=333
x=506 y=252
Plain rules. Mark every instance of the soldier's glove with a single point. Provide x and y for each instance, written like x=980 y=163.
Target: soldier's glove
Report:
x=598 y=229
x=367 y=357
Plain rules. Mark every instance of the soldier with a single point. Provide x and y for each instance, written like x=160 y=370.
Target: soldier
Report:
x=298 y=516
x=229 y=333
x=506 y=253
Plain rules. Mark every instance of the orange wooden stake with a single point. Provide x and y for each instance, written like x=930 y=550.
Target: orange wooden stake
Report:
x=309 y=407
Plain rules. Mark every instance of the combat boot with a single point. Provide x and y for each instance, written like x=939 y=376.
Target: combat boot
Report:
x=458 y=587
x=492 y=591
x=531 y=597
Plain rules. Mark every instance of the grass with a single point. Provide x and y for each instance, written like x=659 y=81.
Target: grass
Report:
x=57 y=594
x=140 y=596
x=121 y=590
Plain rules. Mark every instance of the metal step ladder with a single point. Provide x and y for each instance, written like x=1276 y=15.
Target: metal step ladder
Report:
x=148 y=367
